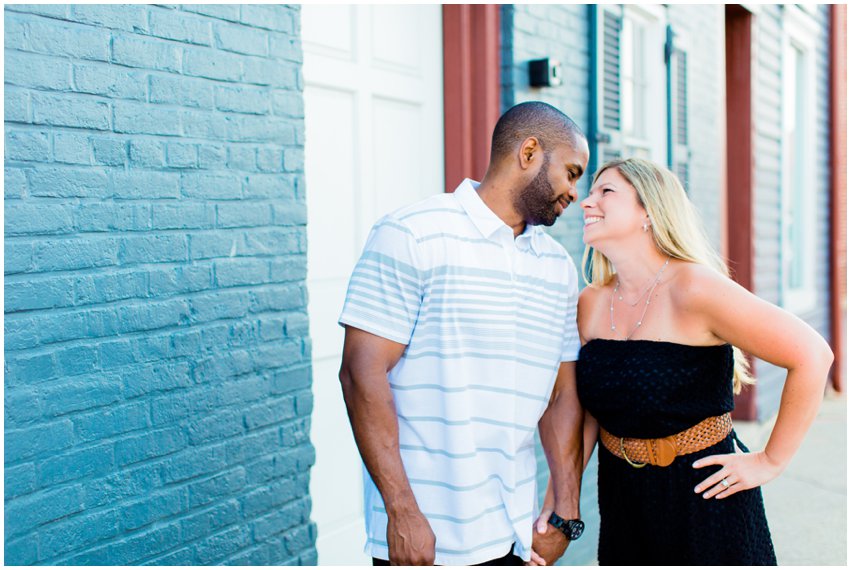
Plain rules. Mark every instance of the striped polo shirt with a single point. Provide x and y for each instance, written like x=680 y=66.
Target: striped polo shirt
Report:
x=487 y=319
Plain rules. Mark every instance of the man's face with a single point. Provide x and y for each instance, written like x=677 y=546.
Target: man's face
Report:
x=547 y=196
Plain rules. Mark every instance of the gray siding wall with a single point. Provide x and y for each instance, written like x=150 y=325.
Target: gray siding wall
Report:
x=768 y=99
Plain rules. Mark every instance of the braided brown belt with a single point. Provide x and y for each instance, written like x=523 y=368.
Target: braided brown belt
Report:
x=662 y=451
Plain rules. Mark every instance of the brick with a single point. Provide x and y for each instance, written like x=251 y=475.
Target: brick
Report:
x=242 y=100
x=134 y=51
x=110 y=152
x=43 y=328
x=210 y=520
x=234 y=272
x=174 y=25
x=267 y=129
x=27 y=146
x=147 y=153
x=271 y=17
x=274 y=495
x=270 y=159
x=113 y=354
x=272 y=328
x=304 y=403
x=183 y=557
x=291 y=380
x=151 y=316
x=183 y=91
x=82 y=360
x=15 y=183
x=30 y=368
x=42 y=507
x=68 y=39
x=181 y=155
x=269 y=412
x=297 y=433
x=297 y=324
x=275 y=186
x=111 y=421
x=289 y=213
x=36 y=218
x=243 y=214
x=214 y=244
x=135 y=185
x=219 y=305
x=70 y=111
x=182 y=279
x=116 y=487
x=157 y=378
x=138 y=118
x=139 y=547
x=94 y=461
x=109 y=81
x=222 y=485
x=108 y=216
x=119 y=16
x=82 y=393
x=211 y=156
x=285 y=46
x=212 y=64
x=23 y=406
x=153 y=249
x=302 y=538
x=155 y=443
x=19 y=480
x=183 y=215
x=256 y=556
x=288 y=104
x=240 y=39
x=77 y=533
x=153 y=507
x=205 y=125
x=21 y=552
x=105 y=288
x=17 y=257
x=263 y=71
x=68 y=182
x=215 y=427
x=75 y=254
x=210 y=186
x=16 y=105
x=36 y=72
x=242 y=157
x=52 y=10
x=294 y=159
x=223 y=544
x=221 y=11
x=72 y=148
x=253 y=445
x=279 y=298
x=193 y=462
x=38 y=294
x=270 y=242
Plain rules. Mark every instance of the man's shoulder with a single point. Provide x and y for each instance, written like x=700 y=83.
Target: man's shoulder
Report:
x=427 y=212
x=552 y=248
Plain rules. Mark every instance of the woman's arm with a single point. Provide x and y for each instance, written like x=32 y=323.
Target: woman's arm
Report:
x=768 y=332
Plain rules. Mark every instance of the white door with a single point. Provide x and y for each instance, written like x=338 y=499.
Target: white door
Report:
x=374 y=142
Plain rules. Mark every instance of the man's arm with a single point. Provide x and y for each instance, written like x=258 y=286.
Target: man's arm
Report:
x=367 y=359
x=561 y=437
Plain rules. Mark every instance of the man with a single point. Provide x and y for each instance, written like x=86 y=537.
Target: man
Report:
x=460 y=336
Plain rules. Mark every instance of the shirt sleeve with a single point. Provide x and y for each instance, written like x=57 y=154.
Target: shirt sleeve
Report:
x=386 y=288
x=571 y=343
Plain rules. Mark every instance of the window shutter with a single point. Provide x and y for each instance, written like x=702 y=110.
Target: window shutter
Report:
x=678 y=155
x=608 y=23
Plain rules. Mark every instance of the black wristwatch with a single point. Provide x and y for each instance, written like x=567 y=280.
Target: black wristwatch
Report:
x=572 y=528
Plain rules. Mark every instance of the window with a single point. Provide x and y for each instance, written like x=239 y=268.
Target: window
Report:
x=798 y=212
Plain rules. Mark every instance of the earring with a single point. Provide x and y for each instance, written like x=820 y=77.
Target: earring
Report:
x=645 y=228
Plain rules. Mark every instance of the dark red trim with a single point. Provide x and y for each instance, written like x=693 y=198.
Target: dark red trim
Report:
x=470 y=88
x=740 y=166
x=838 y=188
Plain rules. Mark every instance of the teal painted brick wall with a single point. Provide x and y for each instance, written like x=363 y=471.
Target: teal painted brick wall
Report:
x=157 y=354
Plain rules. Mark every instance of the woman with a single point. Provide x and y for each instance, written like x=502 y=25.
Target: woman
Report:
x=661 y=325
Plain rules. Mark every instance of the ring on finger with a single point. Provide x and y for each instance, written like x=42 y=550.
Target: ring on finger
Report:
x=725 y=483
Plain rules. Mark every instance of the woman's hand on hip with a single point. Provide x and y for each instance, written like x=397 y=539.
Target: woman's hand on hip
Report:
x=739 y=472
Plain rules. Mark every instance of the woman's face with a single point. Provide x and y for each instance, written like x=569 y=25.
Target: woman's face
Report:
x=612 y=211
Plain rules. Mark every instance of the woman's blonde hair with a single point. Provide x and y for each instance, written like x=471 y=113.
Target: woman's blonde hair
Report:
x=676 y=228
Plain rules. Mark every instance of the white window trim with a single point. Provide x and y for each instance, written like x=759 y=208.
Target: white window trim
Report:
x=654 y=17
x=800 y=31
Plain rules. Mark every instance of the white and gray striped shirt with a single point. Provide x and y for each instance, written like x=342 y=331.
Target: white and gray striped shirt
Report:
x=487 y=319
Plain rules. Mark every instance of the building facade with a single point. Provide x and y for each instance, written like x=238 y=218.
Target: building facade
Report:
x=188 y=188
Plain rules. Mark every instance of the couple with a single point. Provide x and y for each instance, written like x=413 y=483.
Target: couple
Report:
x=465 y=331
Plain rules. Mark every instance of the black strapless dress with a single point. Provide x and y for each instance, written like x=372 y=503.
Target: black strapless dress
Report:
x=651 y=515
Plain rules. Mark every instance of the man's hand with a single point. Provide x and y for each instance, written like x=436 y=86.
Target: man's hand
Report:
x=549 y=545
x=410 y=540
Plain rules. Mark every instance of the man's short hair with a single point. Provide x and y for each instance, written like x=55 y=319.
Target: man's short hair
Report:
x=533 y=119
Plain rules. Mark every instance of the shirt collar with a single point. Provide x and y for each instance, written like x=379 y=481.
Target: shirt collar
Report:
x=488 y=223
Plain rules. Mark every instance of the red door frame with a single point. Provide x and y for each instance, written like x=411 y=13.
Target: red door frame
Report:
x=838 y=188
x=471 y=88
x=740 y=167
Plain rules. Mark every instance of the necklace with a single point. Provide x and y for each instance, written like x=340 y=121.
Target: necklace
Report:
x=646 y=289
x=646 y=304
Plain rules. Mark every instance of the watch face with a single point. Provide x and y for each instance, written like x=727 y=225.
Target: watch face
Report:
x=576 y=527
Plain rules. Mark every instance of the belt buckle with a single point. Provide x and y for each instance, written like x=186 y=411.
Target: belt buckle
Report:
x=628 y=460
x=664 y=450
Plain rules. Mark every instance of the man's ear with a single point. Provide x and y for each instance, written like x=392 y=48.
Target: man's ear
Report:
x=530 y=150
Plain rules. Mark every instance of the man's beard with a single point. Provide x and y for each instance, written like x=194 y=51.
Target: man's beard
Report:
x=535 y=202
